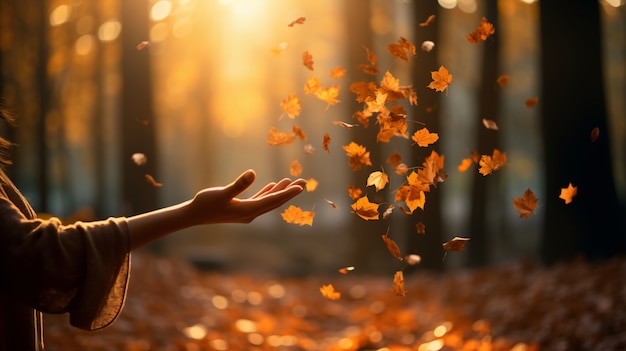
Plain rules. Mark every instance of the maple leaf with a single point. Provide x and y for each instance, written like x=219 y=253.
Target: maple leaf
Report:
x=363 y=90
x=312 y=85
x=413 y=194
x=392 y=246
x=328 y=291
x=394 y=159
x=299 y=20
x=503 y=80
x=378 y=179
x=465 y=165
x=369 y=69
x=489 y=164
x=345 y=270
x=420 y=228
x=365 y=209
x=295 y=169
x=150 y=179
x=275 y=137
x=456 y=244
x=337 y=72
x=531 y=102
x=484 y=30
x=354 y=192
x=398 y=284
x=489 y=124
x=441 y=79
x=331 y=203
x=296 y=215
x=307 y=60
x=526 y=204
x=371 y=56
x=376 y=103
x=326 y=142
x=595 y=133
x=291 y=105
x=398 y=49
x=423 y=137
x=298 y=132
x=567 y=194
x=428 y=21
x=311 y=184
x=329 y=94
x=358 y=156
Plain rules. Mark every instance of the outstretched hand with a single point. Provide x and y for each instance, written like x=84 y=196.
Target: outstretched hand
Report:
x=213 y=205
x=221 y=205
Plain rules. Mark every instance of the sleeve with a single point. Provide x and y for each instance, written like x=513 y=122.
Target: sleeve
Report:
x=82 y=269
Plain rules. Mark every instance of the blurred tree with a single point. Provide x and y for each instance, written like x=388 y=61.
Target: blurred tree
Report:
x=572 y=105
x=485 y=189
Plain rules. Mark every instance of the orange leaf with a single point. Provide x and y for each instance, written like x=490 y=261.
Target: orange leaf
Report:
x=153 y=182
x=421 y=228
x=311 y=184
x=423 y=137
x=299 y=20
x=595 y=133
x=484 y=30
x=465 y=165
x=297 y=131
x=489 y=164
x=526 y=204
x=456 y=244
x=489 y=124
x=378 y=179
x=295 y=169
x=344 y=124
x=139 y=159
x=345 y=270
x=329 y=94
x=503 y=80
x=275 y=137
x=328 y=291
x=337 y=72
x=428 y=21
x=332 y=204
x=142 y=45
x=312 y=85
x=307 y=60
x=358 y=156
x=392 y=246
x=296 y=215
x=567 y=194
x=291 y=105
x=441 y=79
x=531 y=102
x=365 y=209
x=354 y=192
x=371 y=56
x=398 y=284
x=326 y=142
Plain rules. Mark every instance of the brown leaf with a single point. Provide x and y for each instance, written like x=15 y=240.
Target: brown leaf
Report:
x=456 y=244
x=392 y=246
x=526 y=204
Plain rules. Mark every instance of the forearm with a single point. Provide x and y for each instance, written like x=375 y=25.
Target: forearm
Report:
x=150 y=226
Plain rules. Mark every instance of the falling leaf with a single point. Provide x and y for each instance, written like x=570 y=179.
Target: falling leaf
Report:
x=337 y=72
x=465 y=165
x=307 y=60
x=388 y=211
x=280 y=48
x=423 y=137
x=329 y=94
x=484 y=30
x=371 y=56
x=331 y=203
x=369 y=69
x=139 y=159
x=326 y=142
x=595 y=133
x=428 y=21
x=526 y=204
x=392 y=246
x=296 y=215
x=312 y=85
x=275 y=137
x=456 y=244
x=328 y=291
x=345 y=270
x=503 y=80
x=299 y=20
x=420 y=228
x=398 y=284
x=309 y=149
x=142 y=45
x=428 y=45
x=291 y=105
x=531 y=102
x=344 y=124
x=378 y=179
x=441 y=79
x=489 y=124
x=489 y=164
x=413 y=259
x=153 y=182
x=365 y=209
x=358 y=156
x=295 y=168
x=298 y=132
x=354 y=192
x=311 y=184
x=567 y=194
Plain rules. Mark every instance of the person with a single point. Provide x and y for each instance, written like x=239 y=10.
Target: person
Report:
x=83 y=268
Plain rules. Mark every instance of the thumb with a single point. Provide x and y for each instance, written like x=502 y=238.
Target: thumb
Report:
x=242 y=183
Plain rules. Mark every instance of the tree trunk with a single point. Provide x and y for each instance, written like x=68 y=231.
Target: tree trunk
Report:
x=572 y=105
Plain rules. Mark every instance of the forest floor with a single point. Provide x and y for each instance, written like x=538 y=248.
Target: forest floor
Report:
x=521 y=306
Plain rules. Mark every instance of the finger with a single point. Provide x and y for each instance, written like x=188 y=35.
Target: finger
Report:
x=240 y=184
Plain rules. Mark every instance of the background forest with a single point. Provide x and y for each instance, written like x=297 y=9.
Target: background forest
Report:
x=200 y=99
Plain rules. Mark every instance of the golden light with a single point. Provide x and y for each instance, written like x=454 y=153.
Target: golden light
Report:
x=109 y=30
x=60 y=15
x=160 y=10
x=84 y=44
x=219 y=302
x=196 y=331
x=246 y=326
x=447 y=4
x=467 y=6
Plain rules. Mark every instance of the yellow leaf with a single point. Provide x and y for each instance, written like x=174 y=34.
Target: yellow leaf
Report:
x=365 y=209
x=441 y=79
x=423 y=137
x=398 y=284
x=328 y=291
x=296 y=215
x=291 y=105
x=377 y=179
x=311 y=184
x=295 y=169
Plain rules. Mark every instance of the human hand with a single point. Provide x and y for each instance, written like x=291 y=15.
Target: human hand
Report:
x=220 y=204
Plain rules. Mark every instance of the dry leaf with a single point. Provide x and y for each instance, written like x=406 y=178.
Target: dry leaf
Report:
x=309 y=149
x=153 y=182
x=296 y=215
x=312 y=85
x=354 y=192
x=388 y=211
x=531 y=102
x=392 y=246
x=398 y=284
x=595 y=133
x=307 y=60
x=298 y=132
x=142 y=45
x=295 y=169
x=344 y=124
x=378 y=179
x=503 y=80
x=465 y=165
x=567 y=194
x=337 y=72
x=329 y=94
x=526 y=204
x=428 y=21
x=332 y=204
x=311 y=184
x=489 y=164
x=424 y=138
x=484 y=30
x=275 y=137
x=456 y=244
x=420 y=228
x=428 y=45
x=358 y=156
x=328 y=291
x=413 y=259
x=299 y=20
x=139 y=159
x=291 y=105
x=346 y=270
x=489 y=124
x=365 y=209
x=326 y=142
x=441 y=79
